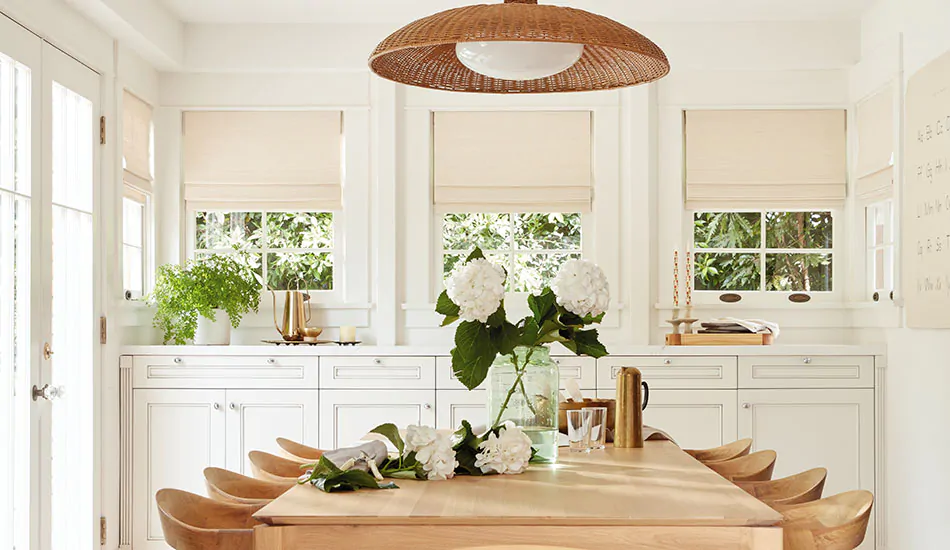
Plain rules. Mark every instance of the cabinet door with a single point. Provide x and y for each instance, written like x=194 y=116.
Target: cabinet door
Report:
x=256 y=418
x=833 y=429
x=696 y=419
x=176 y=434
x=348 y=415
x=454 y=406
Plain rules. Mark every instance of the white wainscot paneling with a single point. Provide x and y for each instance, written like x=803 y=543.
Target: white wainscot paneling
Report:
x=348 y=415
x=256 y=418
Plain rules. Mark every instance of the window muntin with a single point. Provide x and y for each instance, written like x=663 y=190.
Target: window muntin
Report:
x=530 y=246
x=880 y=248
x=763 y=251
x=286 y=250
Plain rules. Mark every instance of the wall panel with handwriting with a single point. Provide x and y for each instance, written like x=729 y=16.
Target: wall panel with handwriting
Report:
x=926 y=211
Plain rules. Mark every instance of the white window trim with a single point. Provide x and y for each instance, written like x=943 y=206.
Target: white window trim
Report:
x=587 y=223
x=317 y=296
x=763 y=298
x=148 y=243
x=889 y=248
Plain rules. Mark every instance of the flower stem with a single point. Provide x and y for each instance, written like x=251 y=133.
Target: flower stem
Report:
x=518 y=383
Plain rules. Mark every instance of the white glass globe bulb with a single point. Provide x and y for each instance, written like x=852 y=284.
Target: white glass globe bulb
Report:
x=518 y=60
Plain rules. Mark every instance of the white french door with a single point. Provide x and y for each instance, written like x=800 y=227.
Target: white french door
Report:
x=49 y=352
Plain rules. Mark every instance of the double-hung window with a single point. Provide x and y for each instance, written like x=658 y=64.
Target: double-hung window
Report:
x=137 y=178
x=517 y=184
x=267 y=185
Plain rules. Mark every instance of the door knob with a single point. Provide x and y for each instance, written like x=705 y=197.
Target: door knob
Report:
x=48 y=392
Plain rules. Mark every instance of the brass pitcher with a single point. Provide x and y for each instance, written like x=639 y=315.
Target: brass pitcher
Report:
x=628 y=426
x=294 y=317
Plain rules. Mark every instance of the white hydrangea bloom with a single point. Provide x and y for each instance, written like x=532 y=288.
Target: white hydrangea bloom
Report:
x=507 y=453
x=477 y=287
x=581 y=288
x=433 y=450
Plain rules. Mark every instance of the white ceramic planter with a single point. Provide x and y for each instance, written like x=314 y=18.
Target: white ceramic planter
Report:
x=213 y=332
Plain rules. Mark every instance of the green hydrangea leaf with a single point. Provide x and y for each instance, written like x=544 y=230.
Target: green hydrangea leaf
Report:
x=473 y=353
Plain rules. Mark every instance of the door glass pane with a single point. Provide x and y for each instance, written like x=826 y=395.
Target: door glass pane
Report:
x=72 y=428
x=15 y=257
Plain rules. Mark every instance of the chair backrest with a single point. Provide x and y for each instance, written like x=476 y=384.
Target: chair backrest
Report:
x=192 y=522
x=227 y=486
x=725 y=452
x=804 y=487
x=839 y=522
x=298 y=451
x=757 y=466
x=274 y=468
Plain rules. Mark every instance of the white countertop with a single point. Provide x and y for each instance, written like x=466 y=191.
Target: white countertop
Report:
x=363 y=350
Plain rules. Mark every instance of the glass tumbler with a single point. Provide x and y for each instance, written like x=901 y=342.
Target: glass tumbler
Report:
x=578 y=430
x=598 y=427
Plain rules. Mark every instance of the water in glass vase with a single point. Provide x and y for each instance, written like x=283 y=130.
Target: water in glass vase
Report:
x=523 y=388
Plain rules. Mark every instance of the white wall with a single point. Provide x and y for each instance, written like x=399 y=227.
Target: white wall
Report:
x=637 y=210
x=917 y=400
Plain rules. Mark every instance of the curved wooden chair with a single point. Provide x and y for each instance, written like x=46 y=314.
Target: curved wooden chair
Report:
x=269 y=467
x=757 y=466
x=298 y=451
x=834 y=523
x=796 y=489
x=192 y=522
x=227 y=486
x=725 y=452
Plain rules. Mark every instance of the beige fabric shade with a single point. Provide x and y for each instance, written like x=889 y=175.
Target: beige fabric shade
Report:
x=512 y=161
x=273 y=160
x=423 y=52
x=874 y=119
x=765 y=159
x=137 y=142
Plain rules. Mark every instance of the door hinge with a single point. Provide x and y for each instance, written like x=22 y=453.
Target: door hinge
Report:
x=103 y=330
x=102 y=130
x=102 y=531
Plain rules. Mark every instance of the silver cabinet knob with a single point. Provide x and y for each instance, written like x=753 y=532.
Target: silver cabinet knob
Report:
x=557 y=361
x=177 y=360
x=216 y=406
x=427 y=406
x=667 y=361
x=271 y=360
x=378 y=361
x=746 y=406
x=807 y=360
x=232 y=406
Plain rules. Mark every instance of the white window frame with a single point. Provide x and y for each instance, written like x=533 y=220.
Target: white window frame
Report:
x=318 y=296
x=587 y=222
x=871 y=248
x=130 y=192
x=768 y=298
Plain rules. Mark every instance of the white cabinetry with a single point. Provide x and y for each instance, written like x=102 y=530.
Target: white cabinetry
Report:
x=454 y=406
x=256 y=418
x=176 y=435
x=347 y=415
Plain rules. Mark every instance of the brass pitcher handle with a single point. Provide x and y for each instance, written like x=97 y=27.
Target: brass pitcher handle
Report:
x=306 y=298
x=273 y=296
x=646 y=395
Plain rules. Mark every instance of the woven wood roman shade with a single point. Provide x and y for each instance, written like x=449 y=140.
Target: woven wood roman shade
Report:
x=512 y=161
x=136 y=143
x=874 y=118
x=765 y=159
x=263 y=160
x=423 y=52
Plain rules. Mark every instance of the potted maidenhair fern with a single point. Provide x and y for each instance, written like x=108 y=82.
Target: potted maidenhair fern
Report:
x=203 y=299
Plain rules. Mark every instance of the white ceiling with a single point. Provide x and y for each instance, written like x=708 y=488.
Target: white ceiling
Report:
x=403 y=11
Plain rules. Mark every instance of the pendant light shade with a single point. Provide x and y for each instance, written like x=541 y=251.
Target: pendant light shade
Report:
x=518 y=47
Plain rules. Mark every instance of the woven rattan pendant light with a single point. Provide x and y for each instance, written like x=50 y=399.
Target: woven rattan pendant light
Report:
x=423 y=52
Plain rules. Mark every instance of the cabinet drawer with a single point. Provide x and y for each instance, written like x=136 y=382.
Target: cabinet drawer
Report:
x=377 y=372
x=793 y=371
x=671 y=372
x=582 y=369
x=246 y=372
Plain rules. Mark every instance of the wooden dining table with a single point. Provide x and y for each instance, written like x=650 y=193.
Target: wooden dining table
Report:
x=654 y=498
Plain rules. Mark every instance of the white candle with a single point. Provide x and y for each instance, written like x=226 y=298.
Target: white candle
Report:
x=347 y=334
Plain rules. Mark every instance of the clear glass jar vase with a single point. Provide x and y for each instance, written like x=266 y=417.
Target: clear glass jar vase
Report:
x=523 y=388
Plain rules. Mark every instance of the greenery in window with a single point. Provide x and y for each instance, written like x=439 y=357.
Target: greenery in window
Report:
x=287 y=250
x=531 y=247
x=771 y=251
